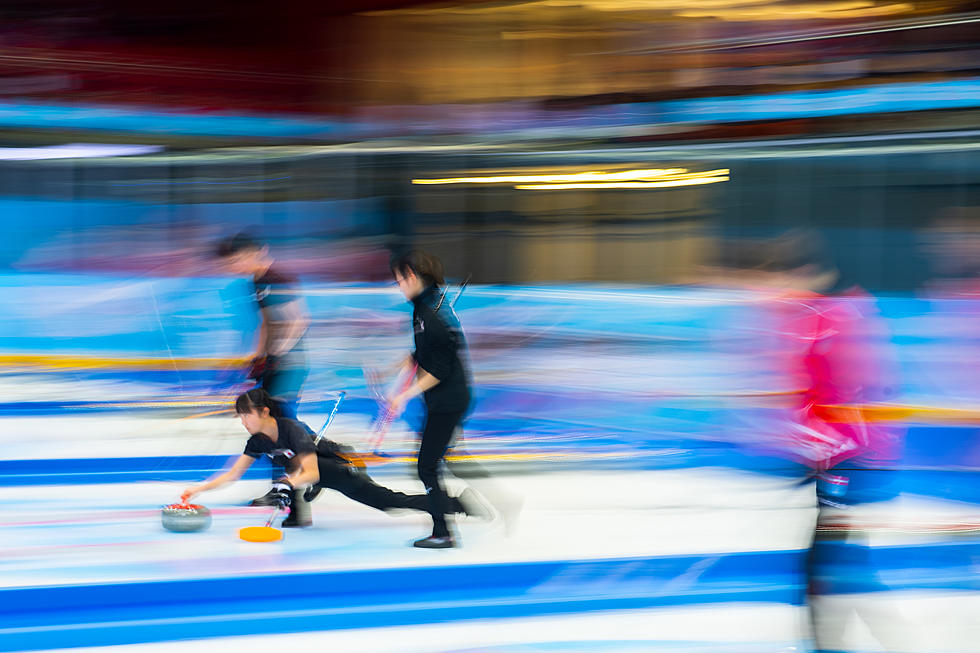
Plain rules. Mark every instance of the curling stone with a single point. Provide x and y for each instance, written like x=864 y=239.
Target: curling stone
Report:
x=185 y=518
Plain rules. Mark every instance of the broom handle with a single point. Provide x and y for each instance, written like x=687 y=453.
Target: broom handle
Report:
x=275 y=513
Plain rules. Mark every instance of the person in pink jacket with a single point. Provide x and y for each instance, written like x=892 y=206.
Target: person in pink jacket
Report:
x=832 y=351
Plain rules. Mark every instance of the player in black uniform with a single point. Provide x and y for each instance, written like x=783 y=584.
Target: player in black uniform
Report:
x=279 y=362
x=313 y=466
x=442 y=376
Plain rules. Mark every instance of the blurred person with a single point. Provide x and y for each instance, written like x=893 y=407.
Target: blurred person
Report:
x=279 y=363
x=442 y=376
x=952 y=242
x=833 y=348
x=309 y=466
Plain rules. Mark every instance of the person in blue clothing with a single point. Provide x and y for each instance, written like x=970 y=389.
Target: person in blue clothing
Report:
x=442 y=376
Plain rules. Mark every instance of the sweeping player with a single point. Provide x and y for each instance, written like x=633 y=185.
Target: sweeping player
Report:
x=442 y=376
x=279 y=362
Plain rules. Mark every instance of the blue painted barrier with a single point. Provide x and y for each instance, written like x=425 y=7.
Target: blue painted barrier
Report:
x=123 y=613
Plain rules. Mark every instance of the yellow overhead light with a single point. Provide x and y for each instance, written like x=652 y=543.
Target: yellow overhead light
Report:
x=591 y=176
x=693 y=181
x=595 y=179
x=815 y=10
x=647 y=5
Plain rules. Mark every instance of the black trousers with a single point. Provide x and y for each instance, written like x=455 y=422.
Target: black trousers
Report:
x=338 y=474
x=436 y=437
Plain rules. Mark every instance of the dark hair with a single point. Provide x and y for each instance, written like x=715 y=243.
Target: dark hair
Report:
x=801 y=247
x=796 y=250
x=255 y=400
x=785 y=252
x=425 y=266
x=234 y=244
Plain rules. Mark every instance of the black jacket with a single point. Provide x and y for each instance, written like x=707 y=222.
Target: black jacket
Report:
x=295 y=438
x=440 y=350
